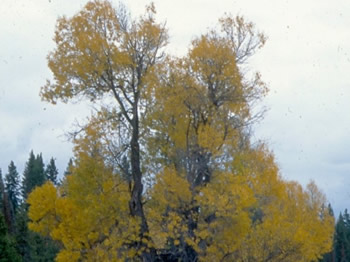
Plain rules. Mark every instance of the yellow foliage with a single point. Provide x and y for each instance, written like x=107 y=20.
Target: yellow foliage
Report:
x=43 y=209
x=225 y=201
x=213 y=194
x=252 y=215
x=286 y=225
x=91 y=216
x=170 y=195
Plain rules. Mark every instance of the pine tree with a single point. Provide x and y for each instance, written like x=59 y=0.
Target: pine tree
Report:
x=8 y=252
x=22 y=232
x=68 y=171
x=27 y=184
x=42 y=248
x=51 y=172
x=33 y=175
x=12 y=187
x=39 y=169
x=6 y=209
x=1 y=193
x=341 y=244
x=346 y=218
x=32 y=246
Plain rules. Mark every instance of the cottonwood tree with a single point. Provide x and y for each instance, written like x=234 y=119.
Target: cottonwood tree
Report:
x=101 y=52
x=201 y=110
x=185 y=122
x=203 y=101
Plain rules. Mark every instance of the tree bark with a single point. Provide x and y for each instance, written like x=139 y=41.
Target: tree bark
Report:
x=135 y=204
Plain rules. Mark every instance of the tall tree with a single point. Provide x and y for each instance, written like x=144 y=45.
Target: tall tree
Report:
x=201 y=111
x=68 y=168
x=184 y=121
x=28 y=174
x=32 y=246
x=8 y=251
x=342 y=241
x=110 y=55
x=33 y=174
x=6 y=206
x=12 y=187
x=22 y=232
x=1 y=192
x=39 y=170
x=51 y=172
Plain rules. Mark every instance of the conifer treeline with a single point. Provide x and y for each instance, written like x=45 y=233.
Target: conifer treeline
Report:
x=341 y=240
x=17 y=242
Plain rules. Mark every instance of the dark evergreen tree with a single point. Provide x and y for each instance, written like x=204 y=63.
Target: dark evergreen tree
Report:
x=34 y=174
x=6 y=209
x=12 y=187
x=341 y=242
x=27 y=183
x=8 y=251
x=68 y=171
x=330 y=210
x=32 y=246
x=39 y=171
x=22 y=233
x=51 y=172
x=1 y=193
x=69 y=167
x=42 y=248
x=346 y=218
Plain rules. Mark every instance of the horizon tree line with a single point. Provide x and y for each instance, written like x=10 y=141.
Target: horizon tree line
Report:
x=17 y=242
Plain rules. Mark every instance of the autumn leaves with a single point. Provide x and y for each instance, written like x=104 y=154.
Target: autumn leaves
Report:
x=183 y=126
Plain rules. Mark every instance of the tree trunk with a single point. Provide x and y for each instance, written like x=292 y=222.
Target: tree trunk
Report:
x=135 y=204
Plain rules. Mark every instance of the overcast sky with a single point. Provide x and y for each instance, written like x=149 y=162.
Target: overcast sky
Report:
x=306 y=64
